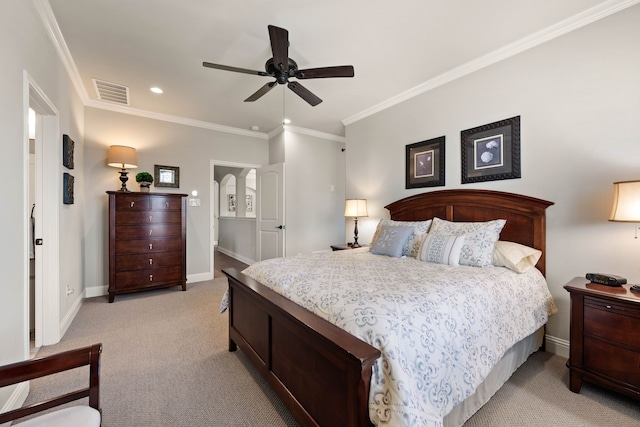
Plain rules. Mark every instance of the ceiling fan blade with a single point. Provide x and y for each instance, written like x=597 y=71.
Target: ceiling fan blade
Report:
x=304 y=93
x=280 y=47
x=324 y=72
x=264 y=89
x=234 y=69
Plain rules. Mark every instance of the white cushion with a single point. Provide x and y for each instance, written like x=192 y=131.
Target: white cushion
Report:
x=75 y=416
x=480 y=239
x=517 y=257
x=441 y=249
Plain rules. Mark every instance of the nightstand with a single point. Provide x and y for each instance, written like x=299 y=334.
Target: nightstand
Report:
x=345 y=246
x=605 y=337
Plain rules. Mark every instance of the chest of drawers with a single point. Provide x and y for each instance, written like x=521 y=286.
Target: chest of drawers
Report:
x=147 y=241
x=605 y=338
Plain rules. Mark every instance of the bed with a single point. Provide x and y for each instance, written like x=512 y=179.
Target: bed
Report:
x=322 y=372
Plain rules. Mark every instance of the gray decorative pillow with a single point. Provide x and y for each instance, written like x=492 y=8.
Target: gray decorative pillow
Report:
x=480 y=239
x=412 y=245
x=390 y=240
x=441 y=249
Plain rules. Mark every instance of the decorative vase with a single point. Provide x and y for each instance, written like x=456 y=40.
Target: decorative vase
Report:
x=144 y=186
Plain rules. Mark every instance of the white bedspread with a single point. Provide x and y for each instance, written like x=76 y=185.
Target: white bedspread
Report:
x=440 y=328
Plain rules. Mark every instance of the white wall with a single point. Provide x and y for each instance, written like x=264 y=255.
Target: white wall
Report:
x=26 y=47
x=579 y=101
x=314 y=192
x=163 y=143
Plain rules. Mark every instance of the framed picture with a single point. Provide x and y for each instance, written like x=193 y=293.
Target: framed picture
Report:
x=425 y=163
x=67 y=188
x=491 y=152
x=67 y=151
x=249 y=203
x=231 y=202
x=166 y=176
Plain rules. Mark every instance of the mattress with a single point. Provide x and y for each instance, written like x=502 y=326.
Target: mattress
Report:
x=441 y=329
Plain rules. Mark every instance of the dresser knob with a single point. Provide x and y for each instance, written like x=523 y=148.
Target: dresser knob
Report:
x=132 y=203
x=150 y=261
x=151 y=277
x=150 y=246
x=150 y=232
x=608 y=306
x=166 y=205
x=150 y=218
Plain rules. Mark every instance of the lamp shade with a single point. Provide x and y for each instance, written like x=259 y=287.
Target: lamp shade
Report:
x=626 y=202
x=122 y=157
x=355 y=208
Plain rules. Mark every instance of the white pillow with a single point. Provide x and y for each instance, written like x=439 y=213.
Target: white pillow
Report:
x=517 y=257
x=481 y=238
x=441 y=249
x=412 y=245
x=391 y=240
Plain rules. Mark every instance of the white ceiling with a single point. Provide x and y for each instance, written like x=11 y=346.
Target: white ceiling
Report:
x=398 y=49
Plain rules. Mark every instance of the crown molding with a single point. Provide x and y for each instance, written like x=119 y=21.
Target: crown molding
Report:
x=174 y=119
x=563 y=27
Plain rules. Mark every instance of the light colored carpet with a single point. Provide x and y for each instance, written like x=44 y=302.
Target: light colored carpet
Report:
x=165 y=363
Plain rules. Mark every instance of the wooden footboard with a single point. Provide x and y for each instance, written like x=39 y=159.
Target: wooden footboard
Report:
x=321 y=373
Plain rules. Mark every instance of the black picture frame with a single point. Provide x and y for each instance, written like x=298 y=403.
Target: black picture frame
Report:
x=67 y=188
x=67 y=152
x=425 y=163
x=166 y=176
x=491 y=152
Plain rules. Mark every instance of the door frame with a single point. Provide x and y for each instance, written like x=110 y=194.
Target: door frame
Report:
x=47 y=177
x=212 y=205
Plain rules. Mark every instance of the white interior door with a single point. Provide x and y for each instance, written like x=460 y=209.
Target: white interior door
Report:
x=270 y=224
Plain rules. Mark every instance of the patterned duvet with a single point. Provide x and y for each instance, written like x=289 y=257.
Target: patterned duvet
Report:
x=440 y=328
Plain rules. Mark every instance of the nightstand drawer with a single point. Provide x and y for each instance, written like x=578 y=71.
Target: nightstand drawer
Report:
x=606 y=321
x=614 y=362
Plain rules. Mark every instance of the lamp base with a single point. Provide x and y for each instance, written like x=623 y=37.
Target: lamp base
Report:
x=124 y=178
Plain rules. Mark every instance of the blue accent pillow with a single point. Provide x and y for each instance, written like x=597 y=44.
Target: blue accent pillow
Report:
x=391 y=240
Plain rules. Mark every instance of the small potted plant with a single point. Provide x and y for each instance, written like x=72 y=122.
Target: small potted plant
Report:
x=145 y=180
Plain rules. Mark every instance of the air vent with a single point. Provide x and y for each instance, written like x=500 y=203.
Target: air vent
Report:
x=111 y=92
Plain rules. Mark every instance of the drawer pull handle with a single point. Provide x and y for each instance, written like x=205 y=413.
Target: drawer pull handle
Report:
x=166 y=205
x=150 y=218
x=608 y=307
x=132 y=204
x=151 y=277
x=150 y=246
x=150 y=261
x=150 y=232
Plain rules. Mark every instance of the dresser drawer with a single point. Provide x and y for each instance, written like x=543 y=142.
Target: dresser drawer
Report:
x=148 y=217
x=612 y=322
x=138 y=279
x=614 y=362
x=125 y=232
x=146 y=261
x=126 y=202
x=166 y=203
x=147 y=246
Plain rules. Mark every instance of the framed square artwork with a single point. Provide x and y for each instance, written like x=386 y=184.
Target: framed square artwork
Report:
x=425 y=163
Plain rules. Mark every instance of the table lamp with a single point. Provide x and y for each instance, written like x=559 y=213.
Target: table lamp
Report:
x=626 y=202
x=355 y=208
x=122 y=157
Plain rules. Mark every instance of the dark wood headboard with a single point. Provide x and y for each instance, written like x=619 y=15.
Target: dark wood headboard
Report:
x=526 y=218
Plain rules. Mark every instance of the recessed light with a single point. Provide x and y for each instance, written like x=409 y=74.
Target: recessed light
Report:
x=156 y=90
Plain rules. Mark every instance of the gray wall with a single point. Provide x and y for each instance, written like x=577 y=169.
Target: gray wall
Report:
x=157 y=142
x=26 y=47
x=579 y=101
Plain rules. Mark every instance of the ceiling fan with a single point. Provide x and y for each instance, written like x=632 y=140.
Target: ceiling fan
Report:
x=283 y=68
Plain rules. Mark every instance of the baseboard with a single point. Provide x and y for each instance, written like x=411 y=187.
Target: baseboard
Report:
x=16 y=399
x=96 y=291
x=71 y=314
x=236 y=256
x=199 y=277
x=557 y=346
